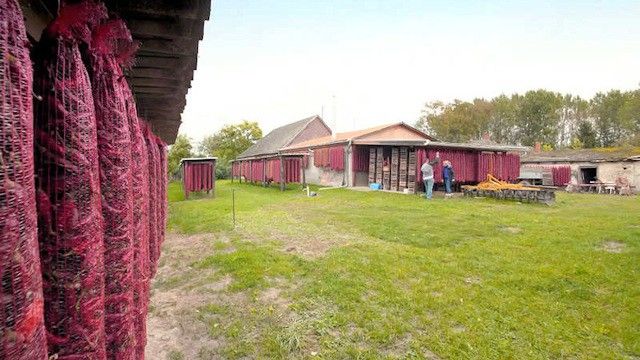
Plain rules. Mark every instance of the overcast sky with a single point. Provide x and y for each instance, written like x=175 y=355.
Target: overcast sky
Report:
x=374 y=62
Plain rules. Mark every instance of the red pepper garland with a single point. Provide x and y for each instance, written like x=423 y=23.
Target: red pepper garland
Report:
x=114 y=150
x=22 y=333
x=140 y=186
x=162 y=190
x=67 y=174
x=152 y=156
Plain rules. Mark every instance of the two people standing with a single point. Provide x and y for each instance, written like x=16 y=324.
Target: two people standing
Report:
x=427 y=176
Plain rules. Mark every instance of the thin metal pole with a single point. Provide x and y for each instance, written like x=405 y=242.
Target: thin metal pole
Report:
x=233 y=206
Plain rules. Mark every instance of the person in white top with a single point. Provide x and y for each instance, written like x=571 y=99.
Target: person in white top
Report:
x=427 y=175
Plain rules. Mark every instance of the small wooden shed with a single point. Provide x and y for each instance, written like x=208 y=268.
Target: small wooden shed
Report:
x=198 y=174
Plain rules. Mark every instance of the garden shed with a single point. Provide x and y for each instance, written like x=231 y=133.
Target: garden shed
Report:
x=198 y=174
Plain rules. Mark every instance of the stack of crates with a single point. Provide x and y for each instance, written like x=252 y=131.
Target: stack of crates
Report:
x=404 y=156
x=412 y=171
x=386 y=175
x=379 y=163
x=395 y=157
x=372 y=165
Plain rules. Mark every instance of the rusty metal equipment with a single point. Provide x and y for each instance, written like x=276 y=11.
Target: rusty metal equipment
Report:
x=496 y=188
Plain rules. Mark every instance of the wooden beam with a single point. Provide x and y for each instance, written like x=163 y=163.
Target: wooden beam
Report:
x=188 y=9
x=151 y=82
x=282 y=179
x=168 y=47
x=175 y=63
x=170 y=28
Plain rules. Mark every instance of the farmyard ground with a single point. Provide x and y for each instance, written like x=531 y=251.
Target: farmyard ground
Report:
x=376 y=275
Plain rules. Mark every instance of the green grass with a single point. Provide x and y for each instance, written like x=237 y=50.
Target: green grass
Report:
x=460 y=278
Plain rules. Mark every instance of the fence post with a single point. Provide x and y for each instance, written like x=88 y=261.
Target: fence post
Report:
x=233 y=206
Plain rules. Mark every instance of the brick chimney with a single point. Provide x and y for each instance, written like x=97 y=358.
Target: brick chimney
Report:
x=486 y=137
x=537 y=148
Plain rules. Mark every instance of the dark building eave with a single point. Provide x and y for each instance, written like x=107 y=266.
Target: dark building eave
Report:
x=169 y=32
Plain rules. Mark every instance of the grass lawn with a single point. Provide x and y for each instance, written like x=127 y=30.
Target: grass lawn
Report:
x=353 y=274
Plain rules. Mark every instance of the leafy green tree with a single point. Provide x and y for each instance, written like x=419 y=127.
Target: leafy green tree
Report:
x=538 y=117
x=180 y=149
x=586 y=135
x=576 y=144
x=459 y=121
x=504 y=119
x=631 y=113
x=574 y=110
x=428 y=117
x=551 y=118
x=607 y=113
x=231 y=140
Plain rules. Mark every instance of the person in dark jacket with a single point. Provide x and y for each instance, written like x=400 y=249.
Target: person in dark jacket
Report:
x=447 y=176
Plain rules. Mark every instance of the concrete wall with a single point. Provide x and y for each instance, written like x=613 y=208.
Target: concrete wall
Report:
x=325 y=177
x=362 y=179
x=606 y=171
x=610 y=171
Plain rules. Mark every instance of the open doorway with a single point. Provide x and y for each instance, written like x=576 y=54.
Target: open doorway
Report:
x=588 y=174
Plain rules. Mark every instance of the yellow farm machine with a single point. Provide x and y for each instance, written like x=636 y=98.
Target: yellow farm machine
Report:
x=498 y=189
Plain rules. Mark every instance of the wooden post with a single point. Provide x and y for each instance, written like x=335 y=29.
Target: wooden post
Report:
x=282 y=179
x=304 y=177
x=184 y=181
x=264 y=172
x=213 y=177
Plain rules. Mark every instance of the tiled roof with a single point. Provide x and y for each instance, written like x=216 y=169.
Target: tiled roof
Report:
x=278 y=138
x=349 y=135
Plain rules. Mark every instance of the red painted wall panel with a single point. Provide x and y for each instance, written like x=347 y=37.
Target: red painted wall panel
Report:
x=198 y=176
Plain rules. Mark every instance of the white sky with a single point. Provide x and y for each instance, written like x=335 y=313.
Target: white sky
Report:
x=277 y=62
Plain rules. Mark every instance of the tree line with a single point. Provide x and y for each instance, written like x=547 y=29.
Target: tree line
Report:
x=226 y=144
x=554 y=119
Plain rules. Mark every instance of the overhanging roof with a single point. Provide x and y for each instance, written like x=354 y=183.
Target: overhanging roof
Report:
x=612 y=154
x=444 y=144
x=355 y=136
x=168 y=32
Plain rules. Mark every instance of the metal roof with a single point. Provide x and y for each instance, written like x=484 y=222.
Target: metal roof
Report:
x=199 y=159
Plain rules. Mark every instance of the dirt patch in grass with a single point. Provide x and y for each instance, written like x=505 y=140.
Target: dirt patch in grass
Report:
x=459 y=328
x=511 y=229
x=174 y=303
x=307 y=244
x=472 y=280
x=400 y=347
x=614 y=247
x=273 y=296
x=196 y=314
